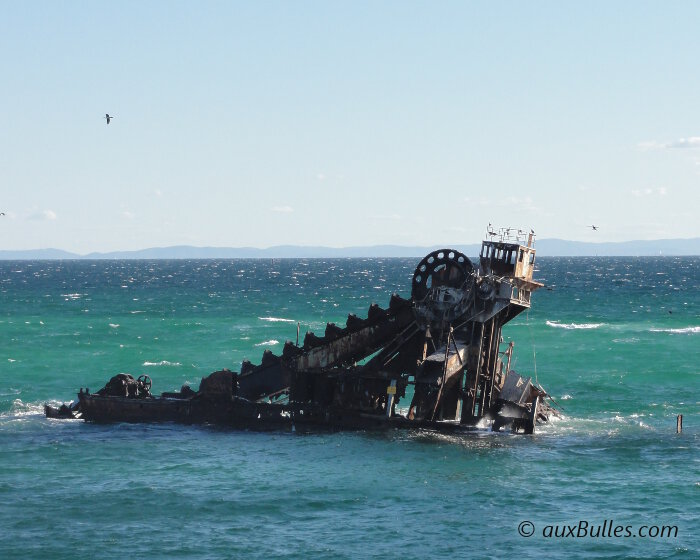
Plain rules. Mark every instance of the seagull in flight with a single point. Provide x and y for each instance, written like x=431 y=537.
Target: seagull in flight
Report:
x=108 y=117
x=595 y=228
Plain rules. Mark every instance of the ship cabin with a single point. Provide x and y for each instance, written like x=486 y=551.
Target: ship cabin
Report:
x=511 y=260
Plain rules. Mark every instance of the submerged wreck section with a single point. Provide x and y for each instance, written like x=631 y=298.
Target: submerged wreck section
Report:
x=441 y=348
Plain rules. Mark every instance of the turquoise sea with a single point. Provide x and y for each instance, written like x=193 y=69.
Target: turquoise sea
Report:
x=616 y=341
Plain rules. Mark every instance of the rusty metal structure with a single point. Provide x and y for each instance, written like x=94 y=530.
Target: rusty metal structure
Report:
x=442 y=349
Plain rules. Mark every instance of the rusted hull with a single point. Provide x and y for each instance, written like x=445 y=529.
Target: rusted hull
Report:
x=121 y=409
x=233 y=412
x=242 y=414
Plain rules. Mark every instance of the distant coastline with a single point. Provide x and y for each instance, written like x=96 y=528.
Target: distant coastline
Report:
x=545 y=248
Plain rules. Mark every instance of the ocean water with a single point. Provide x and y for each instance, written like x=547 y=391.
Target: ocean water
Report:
x=616 y=341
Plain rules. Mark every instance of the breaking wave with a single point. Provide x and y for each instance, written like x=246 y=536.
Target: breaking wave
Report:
x=20 y=408
x=161 y=363
x=268 y=343
x=686 y=330
x=276 y=320
x=571 y=326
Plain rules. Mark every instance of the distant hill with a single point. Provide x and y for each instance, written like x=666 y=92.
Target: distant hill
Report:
x=668 y=247
x=545 y=248
x=38 y=254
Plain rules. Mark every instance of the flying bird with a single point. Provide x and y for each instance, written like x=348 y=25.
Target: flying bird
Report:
x=595 y=228
x=108 y=117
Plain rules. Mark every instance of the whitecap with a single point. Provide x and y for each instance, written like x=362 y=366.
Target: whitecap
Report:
x=268 y=343
x=276 y=320
x=566 y=397
x=630 y=340
x=161 y=363
x=686 y=330
x=114 y=325
x=571 y=326
x=20 y=408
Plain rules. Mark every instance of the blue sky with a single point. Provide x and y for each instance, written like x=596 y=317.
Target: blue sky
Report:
x=346 y=123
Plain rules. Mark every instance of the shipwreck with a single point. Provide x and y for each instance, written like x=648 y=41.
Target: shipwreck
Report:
x=434 y=361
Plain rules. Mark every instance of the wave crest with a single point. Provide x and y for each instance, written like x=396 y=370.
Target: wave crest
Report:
x=572 y=326
x=20 y=408
x=685 y=330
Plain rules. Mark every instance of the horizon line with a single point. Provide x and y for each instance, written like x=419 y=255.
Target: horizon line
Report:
x=556 y=245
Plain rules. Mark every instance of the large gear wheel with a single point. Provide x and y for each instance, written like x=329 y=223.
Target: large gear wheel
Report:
x=442 y=284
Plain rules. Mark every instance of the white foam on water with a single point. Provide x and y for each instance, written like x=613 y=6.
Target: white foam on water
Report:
x=268 y=343
x=161 y=363
x=632 y=420
x=276 y=320
x=630 y=340
x=20 y=408
x=685 y=330
x=572 y=326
